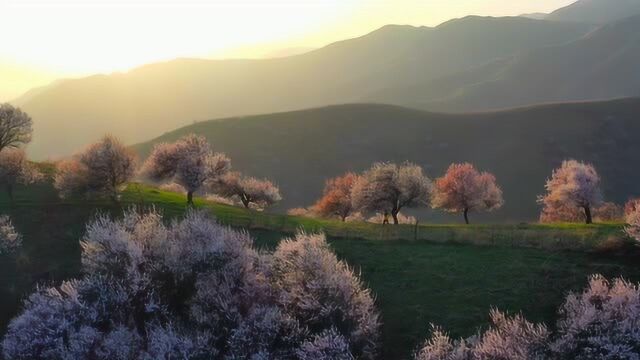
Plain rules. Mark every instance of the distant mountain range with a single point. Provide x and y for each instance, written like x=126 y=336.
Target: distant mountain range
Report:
x=596 y=11
x=299 y=150
x=603 y=64
x=469 y=64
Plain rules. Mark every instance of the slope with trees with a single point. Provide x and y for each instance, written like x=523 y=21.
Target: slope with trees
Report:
x=520 y=146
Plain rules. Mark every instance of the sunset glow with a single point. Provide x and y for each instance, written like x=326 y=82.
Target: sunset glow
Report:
x=63 y=38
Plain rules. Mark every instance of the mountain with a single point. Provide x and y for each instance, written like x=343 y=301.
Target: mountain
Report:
x=601 y=65
x=150 y=100
x=596 y=11
x=300 y=149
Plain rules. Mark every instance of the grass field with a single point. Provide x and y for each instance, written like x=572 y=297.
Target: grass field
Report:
x=419 y=277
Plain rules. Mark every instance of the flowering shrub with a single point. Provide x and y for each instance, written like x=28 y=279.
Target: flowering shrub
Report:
x=318 y=289
x=194 y=289
x=509 y=338
x=601 y=322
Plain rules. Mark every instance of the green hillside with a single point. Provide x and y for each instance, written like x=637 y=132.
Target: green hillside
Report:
x=415 y=282
x=299 y=150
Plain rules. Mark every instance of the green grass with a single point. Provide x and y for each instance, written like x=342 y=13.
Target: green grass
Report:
x=433 y=275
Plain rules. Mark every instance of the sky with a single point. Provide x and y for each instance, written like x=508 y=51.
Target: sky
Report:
x=43 y=40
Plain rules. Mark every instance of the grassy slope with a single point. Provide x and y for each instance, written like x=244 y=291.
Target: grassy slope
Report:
x=416 y=282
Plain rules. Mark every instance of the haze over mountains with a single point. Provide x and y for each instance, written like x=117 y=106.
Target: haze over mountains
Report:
x=602 y=64
x=469 y=64
x=300 y=150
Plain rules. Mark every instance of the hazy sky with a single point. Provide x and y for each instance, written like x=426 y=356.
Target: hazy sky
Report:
x=47 y=39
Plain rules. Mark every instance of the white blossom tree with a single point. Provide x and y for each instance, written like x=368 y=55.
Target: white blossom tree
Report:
x=249 y=190
x=389 y=188
x=193 y=289
x=100 y=170
x=601 y=322
x=15 y=127
x=318 y=289
x=15 y=169
x=10 y=239
x=189 y=162
x=508 y=338
x=573 y=185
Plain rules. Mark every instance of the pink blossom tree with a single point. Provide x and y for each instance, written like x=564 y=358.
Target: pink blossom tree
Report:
x=249 y=190
x=189 y=162
x=464 y=189
x=15 y=127
x=101 y=169
x=389 y=188
x=573 y=185
x=15 y=169
x=336 y=198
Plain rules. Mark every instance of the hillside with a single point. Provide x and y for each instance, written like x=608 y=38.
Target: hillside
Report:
x=406 y=276
x=150 y=100
x=601 y=65
x=299 y=150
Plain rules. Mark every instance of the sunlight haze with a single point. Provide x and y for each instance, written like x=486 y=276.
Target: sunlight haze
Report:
x=68 y=38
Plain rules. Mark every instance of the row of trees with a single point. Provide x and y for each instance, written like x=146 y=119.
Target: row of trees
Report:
x=389 y=188
x=573 y=191
x=106 y=166
x=194 y=289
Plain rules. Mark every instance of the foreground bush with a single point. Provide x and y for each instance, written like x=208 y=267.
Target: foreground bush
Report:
x=601 y=322
x=509 y=338
x=196 y=290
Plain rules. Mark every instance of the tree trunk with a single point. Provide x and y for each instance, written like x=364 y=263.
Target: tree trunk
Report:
x=245 y=201
x=344 y=218
x=190 y=197
x=587 y=215
x=466 y=216
x=394 y=214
